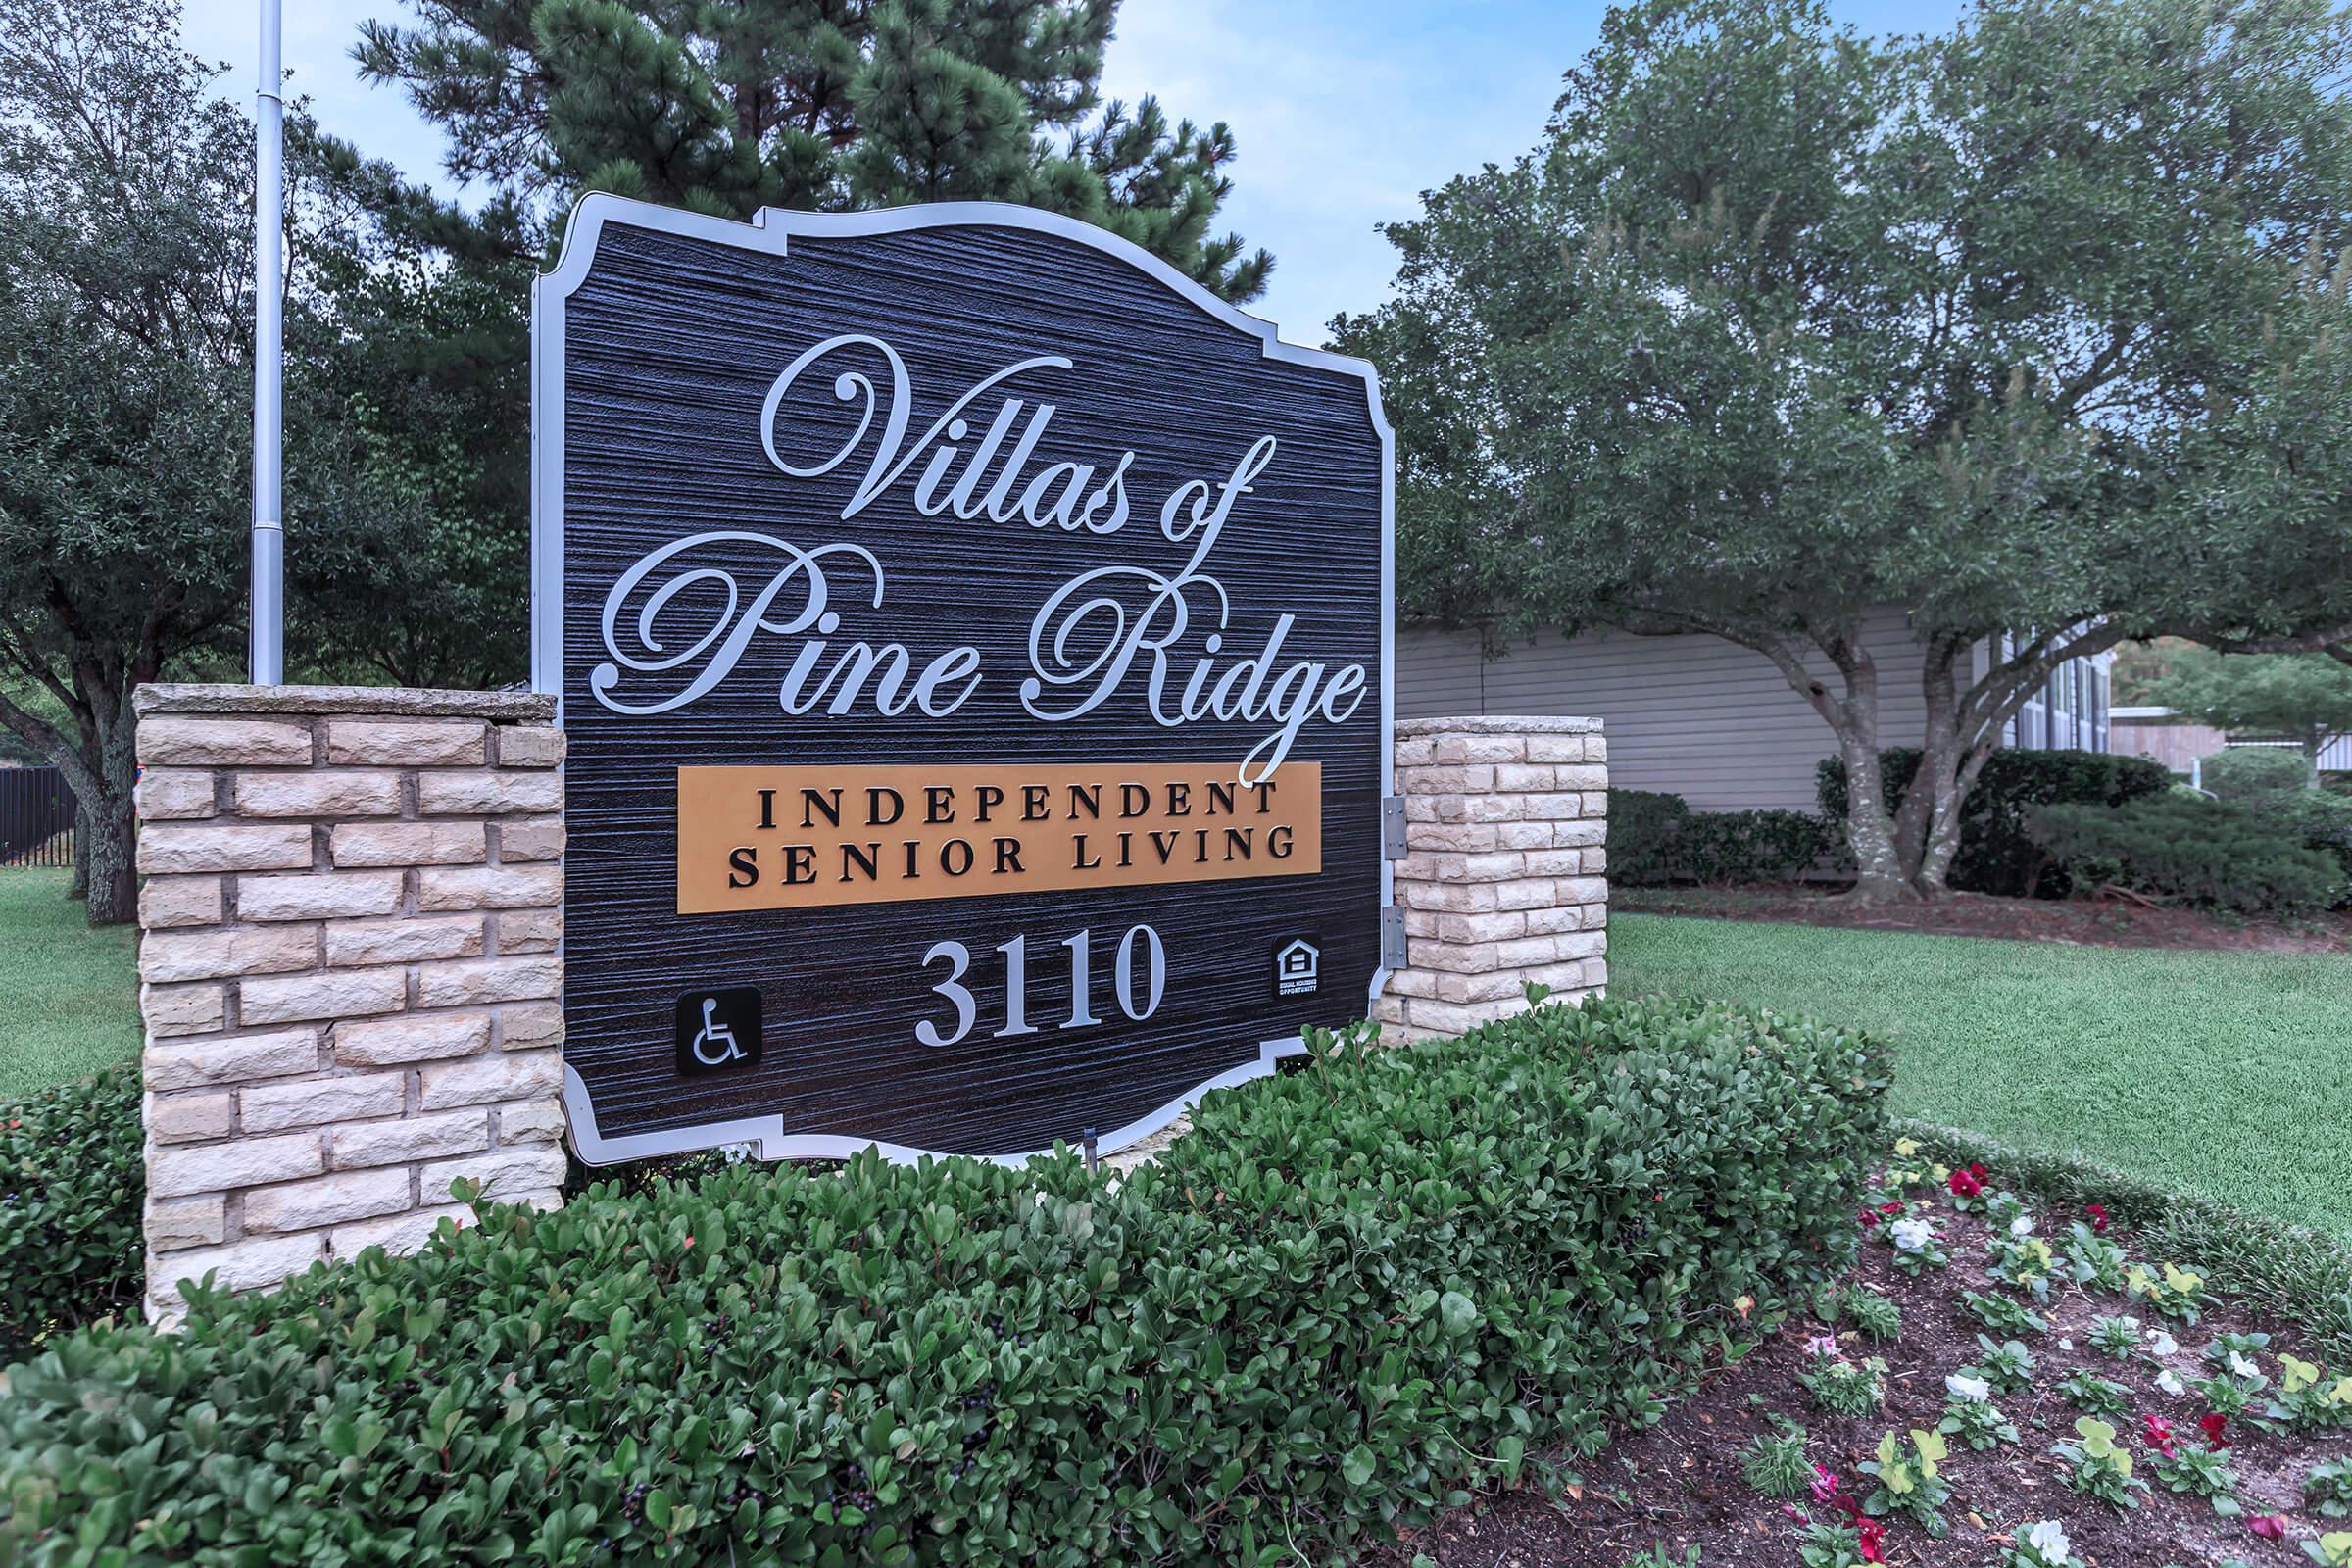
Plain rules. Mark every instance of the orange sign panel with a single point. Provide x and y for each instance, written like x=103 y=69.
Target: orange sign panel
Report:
x=813 y=837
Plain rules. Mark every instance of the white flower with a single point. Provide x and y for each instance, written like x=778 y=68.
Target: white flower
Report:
x=2131 y=1323
x=2022 y=1226
x=1976 y=1391
x=2170 y=1382
x=2243 y=1367
x=2162 y=1344
x=1912 y=1235
x=2049 y=1542
x=2066 y=1344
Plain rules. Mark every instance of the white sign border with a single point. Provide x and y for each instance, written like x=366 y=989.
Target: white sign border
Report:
x=770 y=232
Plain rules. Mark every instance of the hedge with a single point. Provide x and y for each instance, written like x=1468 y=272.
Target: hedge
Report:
x=73 y=1180
x=2190 y=850
x=1353 y=1296
x=1995 y=855
x=1657 y=839
x=2289 y=1273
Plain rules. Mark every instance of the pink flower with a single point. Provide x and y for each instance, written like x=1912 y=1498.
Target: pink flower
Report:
x=2160 y=1434
x=2268 y=1526
x=1873 y=1533
x=1825 y=1484
x=1822 y=1344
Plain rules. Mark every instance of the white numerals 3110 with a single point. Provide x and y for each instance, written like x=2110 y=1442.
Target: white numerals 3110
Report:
x=1141 y=966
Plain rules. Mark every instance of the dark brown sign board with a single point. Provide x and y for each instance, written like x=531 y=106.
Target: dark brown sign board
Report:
x=973 y=641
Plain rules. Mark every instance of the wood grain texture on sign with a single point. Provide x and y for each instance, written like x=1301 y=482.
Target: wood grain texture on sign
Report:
x=662 y=342
x=814 y=838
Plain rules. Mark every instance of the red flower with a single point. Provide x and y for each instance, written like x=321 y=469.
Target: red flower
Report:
x=1978 y=1171
x=1873 y=1533
x=2211 y=1424
x=1890 y=1208
x=1870 y=1217
x=1845 y=1504
x=1965 y=1184
x=2098 y=1218
x=2268 y=1526
x=2160 y=1434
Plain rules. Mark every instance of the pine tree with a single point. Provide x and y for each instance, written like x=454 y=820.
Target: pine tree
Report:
x=728 y=106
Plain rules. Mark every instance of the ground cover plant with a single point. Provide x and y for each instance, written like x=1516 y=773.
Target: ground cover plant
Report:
x=2197 y=1072
x=71 y=991
x=1354 y=1294
x=72 y=1179
x=1951 y=1471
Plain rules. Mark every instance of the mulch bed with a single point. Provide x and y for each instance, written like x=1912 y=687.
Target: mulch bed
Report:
x=2087 y=922
x=1679 y=1484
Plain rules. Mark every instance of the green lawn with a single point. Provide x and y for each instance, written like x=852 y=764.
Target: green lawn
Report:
x=69 y=995
x=2222 y=1073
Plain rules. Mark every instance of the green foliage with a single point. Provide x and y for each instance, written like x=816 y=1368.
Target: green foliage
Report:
x=776 y=103
x=2116 y=1338
x=2305 y=696
x=2098 y=1466
x=1910 y=1476
x=1977 y=1422
x=1354 y=1294
x=1873 y=1312
x=72 y=1182
x=2193 y=851
x=2008 y=1365
x=2328 y=1488
x=1657 y=839
x=1996 y=854
x=1831 y=1543
x=1845 y=1387
x=2086 y=1390
x=1775 y=1463
x=2002 y=1313
x=2198 y=1471
x=2310 y=1398
x=2261 y=777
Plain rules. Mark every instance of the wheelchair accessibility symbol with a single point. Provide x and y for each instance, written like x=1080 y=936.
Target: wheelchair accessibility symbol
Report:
x=718 y=1030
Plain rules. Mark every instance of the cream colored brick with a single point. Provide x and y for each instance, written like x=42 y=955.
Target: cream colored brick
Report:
x=407 y=742
x=505 y=1174
x=478 y=1081
x=531 y=838
x=1526 y=778
x=1561 y=748
x=330 y=1200
x=1528 y=893
x=538 y=1023
x=401 y=1235
x=1498 y=865
x=310 y=1102
x=1449 y=780
x=1596 y=804
x=1458 y=837
x=322 y=896
x=1456 y=749
x=408 y=844
x=1597 y=749
x=1475 y=928
x=530 y=930
x=334 y=993
x=168 y=846
x=1584 y=890
x=229 y=1060
x=1526 y=952
x=165 y=956
x=479 y=794
x=175 y=1223
x=403 y=1140
x=1596 y=973
x=530 y=746
x=323 y=792
x=1556 y=862
x=1448 y=1019
x=258 y=1262
x=1448 y=897
x=1419 y=923
x=470 y=982
x=1498 y=986
x=1582 y=944
x=1420 y=809
x=207 y=742
x=1522 y=835
x=1414 y=982
x=165 y=794
x=1588 y=777
x=166 y=902
x=183 y=1009
x=1554 y=920
x=535 y=1121
x=412 y=1037
x=1460 y=958
x=1432 y=866
x=489 y=887
x=1389 y=1009
x=408 y=939
x=1572 y=833
x=189 y=1118
x=239 y=1162
x=1497 y=808
x=1560 y=808
x=1596 y=861
x=1416 y=750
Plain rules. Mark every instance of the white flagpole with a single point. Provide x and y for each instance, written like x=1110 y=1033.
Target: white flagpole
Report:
x=268 y=353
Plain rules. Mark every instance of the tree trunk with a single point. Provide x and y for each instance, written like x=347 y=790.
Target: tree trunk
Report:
x=79 y=887
x=114 y=829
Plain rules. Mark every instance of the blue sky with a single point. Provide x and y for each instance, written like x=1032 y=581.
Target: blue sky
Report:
x=1345 y=109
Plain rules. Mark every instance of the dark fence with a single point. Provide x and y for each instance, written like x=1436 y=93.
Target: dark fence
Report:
x=36 y=818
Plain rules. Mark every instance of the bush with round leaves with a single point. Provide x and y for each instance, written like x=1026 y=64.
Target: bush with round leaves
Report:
x=1355 y=1293
x=72 y=1180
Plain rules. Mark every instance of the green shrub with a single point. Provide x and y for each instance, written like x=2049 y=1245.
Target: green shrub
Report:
x=73 y=1180
x=1354 y=1294
x=1655 y=840
x=2258 y=776
x=2198 y=852
x=1995 y=853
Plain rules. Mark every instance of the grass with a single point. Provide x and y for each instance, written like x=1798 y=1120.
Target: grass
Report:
x=69 y=996
x=2226 y=1075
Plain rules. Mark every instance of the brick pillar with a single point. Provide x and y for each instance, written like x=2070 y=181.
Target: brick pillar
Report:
x=349 y=969
x=1502 y=879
